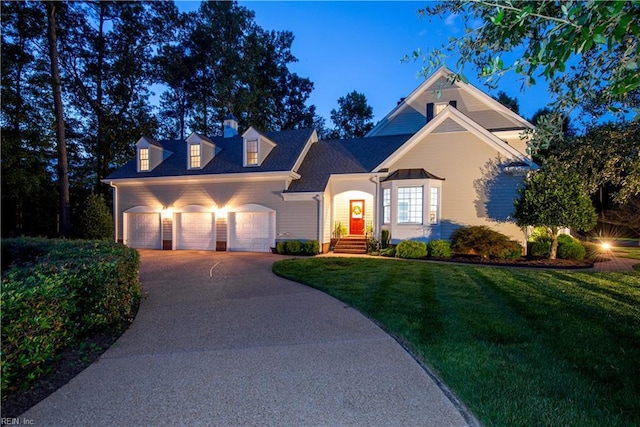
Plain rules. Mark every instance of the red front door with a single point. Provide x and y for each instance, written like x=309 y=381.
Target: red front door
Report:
x=356 y=217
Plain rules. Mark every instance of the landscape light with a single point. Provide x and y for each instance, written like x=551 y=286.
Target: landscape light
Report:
x=606 y=246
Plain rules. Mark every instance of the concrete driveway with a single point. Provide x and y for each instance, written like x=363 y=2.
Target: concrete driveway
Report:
x=219 y=340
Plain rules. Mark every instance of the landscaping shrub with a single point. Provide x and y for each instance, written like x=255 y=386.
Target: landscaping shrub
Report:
x=389 y=252
x=385 y=239
x=411 y=249
x=96 y=221
x=439 y=248
x=540 y=248
x=293 y=247
x=483 y=241
x=70 y=289
x=571 y=251
x=297 y=247
x=373 y=245
x=311 y=247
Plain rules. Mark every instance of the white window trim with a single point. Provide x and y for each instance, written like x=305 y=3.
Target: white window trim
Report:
x=439 y=107
x=190 y=157
x=140 y=159
x=257 y=152
x=420 y=205
x=386 y=206
x=436 y=220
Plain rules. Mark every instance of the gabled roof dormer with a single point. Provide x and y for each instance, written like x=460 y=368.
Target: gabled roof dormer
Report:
x=200 y=151
x=255 y=148
x=435 y=94
x=149 y=154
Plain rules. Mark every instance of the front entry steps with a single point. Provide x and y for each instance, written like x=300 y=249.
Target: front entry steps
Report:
x=351 y=245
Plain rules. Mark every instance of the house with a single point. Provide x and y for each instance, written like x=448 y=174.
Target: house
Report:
x=447 y=155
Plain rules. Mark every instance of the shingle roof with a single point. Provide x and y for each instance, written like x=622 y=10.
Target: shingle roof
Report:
x=327 y=157
x=411 y=174
x=228 y=160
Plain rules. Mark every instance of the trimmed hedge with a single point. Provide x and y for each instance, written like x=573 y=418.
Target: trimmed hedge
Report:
x=298 y=247
x=568 y=248
x=54 y=293
x=411 y=249
x=483 y=241
x=439 y=248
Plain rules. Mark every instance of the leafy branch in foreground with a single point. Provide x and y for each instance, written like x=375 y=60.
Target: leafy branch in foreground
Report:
x=589 y=52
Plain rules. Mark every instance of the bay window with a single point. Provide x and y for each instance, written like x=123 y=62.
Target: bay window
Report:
x=410 y=201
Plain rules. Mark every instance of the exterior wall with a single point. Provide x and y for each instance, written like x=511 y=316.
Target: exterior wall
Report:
x=475 y=191
x=342 y=189
x=294 y=220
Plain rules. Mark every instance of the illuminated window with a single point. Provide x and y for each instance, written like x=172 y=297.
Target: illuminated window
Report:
x=433 y=205
x=194 y=156
x=440 y=107
x=143 y=156
x=252 y=152
x=410 y=205
x=386 y=205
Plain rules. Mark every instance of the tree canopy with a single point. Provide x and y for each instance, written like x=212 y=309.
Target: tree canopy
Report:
x=209 y=62
x=554 y=197
x=588 y=51
x=353 y=118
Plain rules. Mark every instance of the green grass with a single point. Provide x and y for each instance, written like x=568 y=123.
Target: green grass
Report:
x=520 y=347
x=627 y=252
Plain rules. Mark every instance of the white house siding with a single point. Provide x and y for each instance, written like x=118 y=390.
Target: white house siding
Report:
x=295 y=220
x=467 y=164
x=341 y=189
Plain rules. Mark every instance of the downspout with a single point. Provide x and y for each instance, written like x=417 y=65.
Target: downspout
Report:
x=376 y=208
x=115 y=210
x=320 y=199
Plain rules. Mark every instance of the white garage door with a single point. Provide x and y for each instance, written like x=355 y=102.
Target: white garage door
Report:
x=143 y=230
x=195 y=231
x=252 y=231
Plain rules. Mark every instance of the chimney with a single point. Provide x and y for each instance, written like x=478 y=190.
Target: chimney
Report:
x=230 y=126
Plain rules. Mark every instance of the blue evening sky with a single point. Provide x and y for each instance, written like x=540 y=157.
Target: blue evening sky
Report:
x=346 y=46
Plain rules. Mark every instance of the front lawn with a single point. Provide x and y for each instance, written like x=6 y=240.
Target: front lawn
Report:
x=519 y=347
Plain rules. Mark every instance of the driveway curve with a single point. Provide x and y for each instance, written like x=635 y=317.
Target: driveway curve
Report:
x=220 y=340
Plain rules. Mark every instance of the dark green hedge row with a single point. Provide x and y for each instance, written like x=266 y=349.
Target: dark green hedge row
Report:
x=298 y=247
x=55 y=292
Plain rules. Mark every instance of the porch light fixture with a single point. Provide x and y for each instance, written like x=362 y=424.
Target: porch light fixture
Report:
x=166 y=213
x=221 y=212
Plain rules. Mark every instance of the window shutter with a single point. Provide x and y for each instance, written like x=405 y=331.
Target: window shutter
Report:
x=453 y=103
x=429 y=111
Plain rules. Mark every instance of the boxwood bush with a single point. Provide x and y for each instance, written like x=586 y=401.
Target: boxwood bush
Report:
x=568 y=247
x=439 y=248
x=298 y=247
x=411 y=249
x=57 y=294
x=483 y=241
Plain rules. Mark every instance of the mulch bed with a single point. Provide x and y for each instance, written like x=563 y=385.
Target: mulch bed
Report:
x=522 y=262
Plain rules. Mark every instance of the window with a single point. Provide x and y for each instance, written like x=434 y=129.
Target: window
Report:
x=252 y=152
x=386 y=205
x=410 y=205
x=433 y=205
x=143 y=156
x=440 y=107
x=194 y=155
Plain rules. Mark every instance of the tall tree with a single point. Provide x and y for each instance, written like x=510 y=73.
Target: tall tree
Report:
x=63 y=168
x=29 y=195
x=589 y=52
x=554 y=197
x=353 y=118
x=508 y=101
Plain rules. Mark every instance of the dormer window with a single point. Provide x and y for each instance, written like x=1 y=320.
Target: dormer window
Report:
x=143 y=156
x=440 y=106
x=194 y=156
x=252 y=152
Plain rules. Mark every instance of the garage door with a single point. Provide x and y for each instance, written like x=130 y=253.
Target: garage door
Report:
x=143 y=230
x=252 y=231
x=195 y=231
